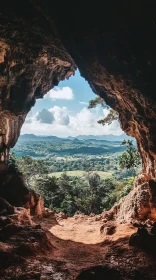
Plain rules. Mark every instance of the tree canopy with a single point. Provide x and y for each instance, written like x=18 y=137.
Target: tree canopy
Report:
x=130 y=159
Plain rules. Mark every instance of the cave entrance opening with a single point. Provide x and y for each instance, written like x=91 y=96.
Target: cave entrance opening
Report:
x=69 y=158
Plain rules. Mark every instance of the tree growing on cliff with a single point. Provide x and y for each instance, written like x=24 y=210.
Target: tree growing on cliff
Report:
x=130 y=159
x=112 y=115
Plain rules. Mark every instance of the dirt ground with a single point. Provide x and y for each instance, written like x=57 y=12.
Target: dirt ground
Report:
x=81 y=243
x=86 y=230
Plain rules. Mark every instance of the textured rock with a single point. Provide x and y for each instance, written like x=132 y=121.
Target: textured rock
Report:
x=13 y=189
x=5 y=207
x=7 y=255
x=32 y=61
x=139 y=204
x=99 y=272
x=145 y=238
x=115 y=53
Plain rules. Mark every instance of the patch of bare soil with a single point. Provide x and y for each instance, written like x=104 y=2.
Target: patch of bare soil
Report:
x=88 y=230
x=80 y=247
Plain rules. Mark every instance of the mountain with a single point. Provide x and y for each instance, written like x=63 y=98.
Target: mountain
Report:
x=40 y=137
x=109 y=137
x=28 y=136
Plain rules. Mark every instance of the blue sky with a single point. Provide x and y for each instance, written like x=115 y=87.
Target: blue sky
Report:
x=63 y=112
x=82 y=93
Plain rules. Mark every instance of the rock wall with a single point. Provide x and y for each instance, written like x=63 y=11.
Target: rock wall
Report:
x=15 y=191
x=115 y=52
x=32 y=61
x=139 y=204
x=113 y=46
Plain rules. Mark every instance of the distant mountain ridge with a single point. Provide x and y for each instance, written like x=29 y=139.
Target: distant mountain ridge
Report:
x=33 y=136
x=109 y=137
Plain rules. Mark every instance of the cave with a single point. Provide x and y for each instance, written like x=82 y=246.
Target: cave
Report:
x=113 y=46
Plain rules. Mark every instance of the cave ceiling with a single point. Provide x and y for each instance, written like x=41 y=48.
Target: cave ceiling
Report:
x=113 y=44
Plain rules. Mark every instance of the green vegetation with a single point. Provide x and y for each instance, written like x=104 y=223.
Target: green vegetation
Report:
x=86 y=194
x=81 y=173
x=112 y=115
x=28 y=166
x=130 y=159
x=64 y=155
x=76 y=175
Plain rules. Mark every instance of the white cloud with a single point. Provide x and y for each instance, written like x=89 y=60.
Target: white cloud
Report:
x=29 y=117
x=64 y=123
x=60 y=93
x=60 y=115
x=45 y=116
x=106 y=112
x=82 y=121
x=83 y=103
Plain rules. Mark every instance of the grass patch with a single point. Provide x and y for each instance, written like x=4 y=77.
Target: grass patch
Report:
x=81 y=173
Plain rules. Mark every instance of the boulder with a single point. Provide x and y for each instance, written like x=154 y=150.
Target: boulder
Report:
x=15 y=192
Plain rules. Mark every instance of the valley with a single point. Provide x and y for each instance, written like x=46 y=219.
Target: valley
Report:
x=73 y=155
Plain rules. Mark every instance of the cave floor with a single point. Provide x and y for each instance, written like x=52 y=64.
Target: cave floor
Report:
x=79 y=243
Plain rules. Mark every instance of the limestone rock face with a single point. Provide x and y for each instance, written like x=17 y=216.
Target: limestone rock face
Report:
x=139 y=204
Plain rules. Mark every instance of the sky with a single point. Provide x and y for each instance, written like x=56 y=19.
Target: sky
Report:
x=64 y=112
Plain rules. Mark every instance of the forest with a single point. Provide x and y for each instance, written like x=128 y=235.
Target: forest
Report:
x=64 y=155
x=75 y=175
